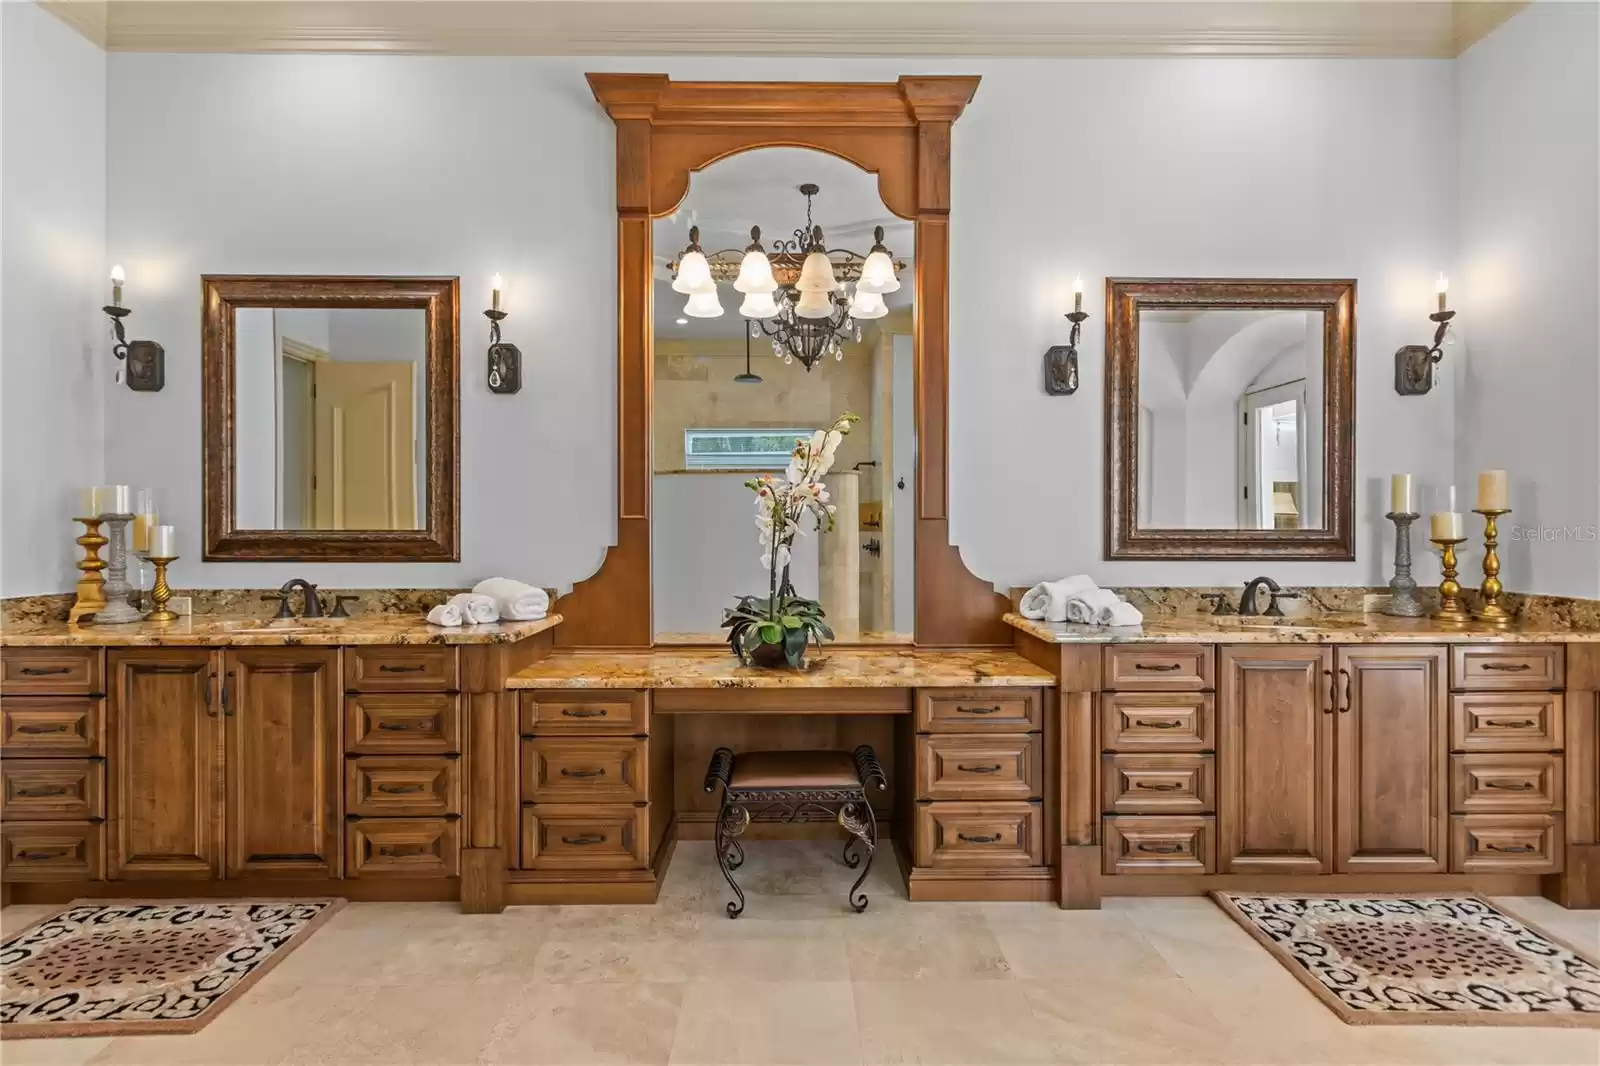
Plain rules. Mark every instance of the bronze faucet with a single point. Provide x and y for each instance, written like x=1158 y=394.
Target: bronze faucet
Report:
x=313 y=604
x=1247 y=601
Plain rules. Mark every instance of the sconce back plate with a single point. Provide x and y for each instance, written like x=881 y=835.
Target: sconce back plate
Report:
x=1413 y=370
x=147 y=366
x=508 y=359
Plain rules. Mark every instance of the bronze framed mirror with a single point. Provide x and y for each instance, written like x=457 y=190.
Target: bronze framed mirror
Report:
x=331 y=418
x=1230 y=418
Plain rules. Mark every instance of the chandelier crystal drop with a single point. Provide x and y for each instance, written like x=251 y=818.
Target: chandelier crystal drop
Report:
x=799 y=294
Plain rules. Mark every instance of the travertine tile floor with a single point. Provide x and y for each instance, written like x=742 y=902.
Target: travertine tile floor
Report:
x=800 y=979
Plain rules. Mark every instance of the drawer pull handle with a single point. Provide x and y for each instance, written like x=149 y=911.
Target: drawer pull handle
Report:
x=1159 y=668
x=43 y=790
x=401 y=790
x=405 y=727
x=1169 y=786
x=1510 y=786
x=994 y=769
x=45 y=671
x=1161 y=849
x=39 y=856
x=398 y=851
x=1512 y=849
x=977 y=710
x=35 y=729
x=1517 y=723
x=584 y=841
x=390 y=668
x=993 y=838
x=582 y=773
x=583 y=712
x=1508 y=668
x=1163 y=723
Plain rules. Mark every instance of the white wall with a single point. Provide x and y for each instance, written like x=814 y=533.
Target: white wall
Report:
x=54 y=348
x=1529 y=355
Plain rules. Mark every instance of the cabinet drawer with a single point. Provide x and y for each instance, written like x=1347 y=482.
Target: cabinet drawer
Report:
x=403 y=723
x=52 y=725
x=1503 y=783
x=1159 y=784
x=998 y=767
x=52 y=851
x=1160 y=844
x=1507 y=721
x=609 y=713
x=1505 y=843
x=585 y=836
x=402 y=786
x=401 y=847
x=400 y=668
x=979 y=710
x=1506 y=667
x=1159 y=667
x=979 y=836
x=1158 y=721
x=52 y=790
x=57 y=671
x=580 y=770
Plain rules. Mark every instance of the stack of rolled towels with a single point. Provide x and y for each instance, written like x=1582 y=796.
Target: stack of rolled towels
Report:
x=1078 y=599
x=491 y=601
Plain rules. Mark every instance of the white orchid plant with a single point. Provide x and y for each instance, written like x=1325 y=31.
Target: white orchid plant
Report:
x=781 y=624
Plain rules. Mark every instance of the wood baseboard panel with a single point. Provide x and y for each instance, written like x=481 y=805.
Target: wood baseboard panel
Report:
x=1578 y=886
x=1030 y=885
x=1080 y=877
x=483 y=880
x=398 y=890
x=1200 y=884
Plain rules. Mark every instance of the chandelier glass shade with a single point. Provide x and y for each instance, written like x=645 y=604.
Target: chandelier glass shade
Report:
x=800 y=295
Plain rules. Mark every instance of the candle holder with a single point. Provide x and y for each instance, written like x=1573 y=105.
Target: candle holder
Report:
x=117 y=609
x=91 y=586
x=1490 y=609
x=1061 y=360
x=161 y=593
x=1403 y=602
x=1450 y=607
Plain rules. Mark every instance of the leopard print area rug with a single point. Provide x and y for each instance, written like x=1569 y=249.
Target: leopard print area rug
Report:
x=1417 y=960
x=128 y=968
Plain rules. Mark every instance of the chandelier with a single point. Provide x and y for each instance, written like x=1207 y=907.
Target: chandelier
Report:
x=800 y=296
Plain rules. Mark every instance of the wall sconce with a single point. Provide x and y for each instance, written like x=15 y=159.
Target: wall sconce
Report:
x=1061 y=361
x=1413 y=364
x=146 y=360
x=505 y=360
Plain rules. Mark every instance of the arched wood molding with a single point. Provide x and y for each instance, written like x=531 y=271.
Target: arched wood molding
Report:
x=667 y=130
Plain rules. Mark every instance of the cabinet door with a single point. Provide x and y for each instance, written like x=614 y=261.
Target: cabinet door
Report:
x=282 y=713
x=1391 y=811
x=165 y=764
x=1275 y=754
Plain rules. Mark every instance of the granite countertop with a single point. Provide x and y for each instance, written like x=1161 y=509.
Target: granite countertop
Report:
x=833 y=667
x=1332 y=628
x=237 y=631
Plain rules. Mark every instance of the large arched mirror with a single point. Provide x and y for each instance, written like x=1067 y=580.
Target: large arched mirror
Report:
x=746 y=363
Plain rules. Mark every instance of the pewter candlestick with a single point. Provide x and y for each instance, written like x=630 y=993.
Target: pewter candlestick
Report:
x=117 y=609
x=1403 y=602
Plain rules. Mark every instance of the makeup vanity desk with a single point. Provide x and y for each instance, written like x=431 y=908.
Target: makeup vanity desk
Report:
x=612 y=749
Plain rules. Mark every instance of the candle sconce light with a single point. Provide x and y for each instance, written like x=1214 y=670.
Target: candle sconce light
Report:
x=1414 y=363
x=505 y=360
x=1061 y=360
x=146 y=361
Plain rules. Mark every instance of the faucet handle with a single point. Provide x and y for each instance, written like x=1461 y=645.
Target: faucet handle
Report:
x=338 y=606
x=1273 y=609
x=283 y=604
x=1219 y=601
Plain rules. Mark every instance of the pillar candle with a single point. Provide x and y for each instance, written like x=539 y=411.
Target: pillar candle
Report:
x=164 y=542
x=118 y=499
x=90 y=503
x=1446 y=525
x=1400 y=501
x=1493 y=490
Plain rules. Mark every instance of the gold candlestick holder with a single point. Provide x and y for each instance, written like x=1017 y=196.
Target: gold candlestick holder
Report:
x=161 y=593
x=1490 y=609
x=1450 y=606
x=91 y=586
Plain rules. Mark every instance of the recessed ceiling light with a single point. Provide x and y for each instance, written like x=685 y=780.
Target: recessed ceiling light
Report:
x=683 y=321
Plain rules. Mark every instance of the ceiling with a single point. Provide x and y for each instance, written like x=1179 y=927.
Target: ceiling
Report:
x=1432 y=28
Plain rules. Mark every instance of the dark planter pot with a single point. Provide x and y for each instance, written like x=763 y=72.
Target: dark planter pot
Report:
x=770 y=655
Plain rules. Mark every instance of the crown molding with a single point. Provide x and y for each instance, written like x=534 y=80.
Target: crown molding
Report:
x=1393 y=28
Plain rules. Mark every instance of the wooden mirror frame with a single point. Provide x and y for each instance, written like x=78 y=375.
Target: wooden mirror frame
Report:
x=666 y=130
x=1125 y=298
x=440 y=299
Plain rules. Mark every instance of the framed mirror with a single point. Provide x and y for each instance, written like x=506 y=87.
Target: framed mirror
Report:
x=1230 y=418
x=331 y=418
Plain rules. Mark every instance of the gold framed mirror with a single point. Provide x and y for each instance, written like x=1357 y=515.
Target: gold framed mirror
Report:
x=353 y=380
x=1230 y=418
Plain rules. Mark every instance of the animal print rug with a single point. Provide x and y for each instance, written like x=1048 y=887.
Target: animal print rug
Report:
x=126 y=968
x=1411 y=960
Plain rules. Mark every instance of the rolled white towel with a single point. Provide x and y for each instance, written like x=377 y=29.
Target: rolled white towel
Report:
x=1079 y=611
x=1123 y=613
x=1035 y=603
x=517 y=601
x=446 y=614
x=1093 y=605
x=1047 y=600
x=476 y=609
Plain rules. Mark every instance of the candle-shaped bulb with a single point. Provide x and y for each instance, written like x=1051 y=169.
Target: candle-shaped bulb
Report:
x=117 y=278
x=1077 y=293
x=496 y=283
x=1441 y=287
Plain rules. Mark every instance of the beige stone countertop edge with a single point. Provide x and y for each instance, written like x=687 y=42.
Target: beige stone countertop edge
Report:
x=853 y=667
x=1330 y=629
x=235 y=632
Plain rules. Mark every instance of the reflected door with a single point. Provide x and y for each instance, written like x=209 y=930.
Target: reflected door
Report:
x=364 y=441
